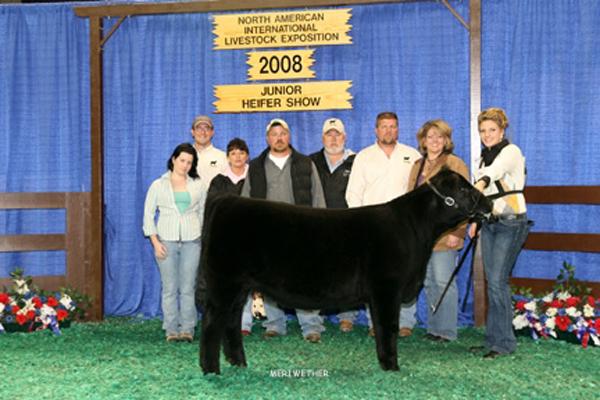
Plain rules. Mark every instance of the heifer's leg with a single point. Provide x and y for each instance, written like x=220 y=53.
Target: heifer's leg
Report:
x=233 y=346
x=385 y=306
x=213 y=325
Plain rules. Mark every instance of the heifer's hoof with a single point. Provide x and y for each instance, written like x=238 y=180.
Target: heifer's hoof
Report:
x=389 y=365
x=210 y=368
x=211 y=372
x=237 y=363
x=390 y=368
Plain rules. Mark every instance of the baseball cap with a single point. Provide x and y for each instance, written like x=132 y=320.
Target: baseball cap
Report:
x=202 y=119
x=277 y=121
x=333 y=123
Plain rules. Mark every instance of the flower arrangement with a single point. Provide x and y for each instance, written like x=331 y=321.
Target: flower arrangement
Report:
x=568 y=309
x=25 y=305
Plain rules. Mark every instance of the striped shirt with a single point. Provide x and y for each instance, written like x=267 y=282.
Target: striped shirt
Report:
x=173 y=225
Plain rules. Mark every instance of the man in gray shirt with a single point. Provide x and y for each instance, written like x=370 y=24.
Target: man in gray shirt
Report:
x=280 y=173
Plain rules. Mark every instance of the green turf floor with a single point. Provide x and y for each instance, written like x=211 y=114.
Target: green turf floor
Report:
x=129 y=359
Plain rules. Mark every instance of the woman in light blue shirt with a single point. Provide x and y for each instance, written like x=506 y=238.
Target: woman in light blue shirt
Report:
x=178 y=196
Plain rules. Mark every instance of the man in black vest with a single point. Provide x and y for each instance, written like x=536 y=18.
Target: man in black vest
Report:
x=334 y=163
x=280 y=173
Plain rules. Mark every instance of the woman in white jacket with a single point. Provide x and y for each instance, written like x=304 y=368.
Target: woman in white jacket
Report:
x=178 y=196
x=501 y=177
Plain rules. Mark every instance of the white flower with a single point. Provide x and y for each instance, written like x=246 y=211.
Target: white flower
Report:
x=29 y=305
x=520 y=322
x=551 y=312
x=531 y=306
x=2 y=306
x=588 y=311
x=550 y=323
x=548 y=298
x=67 y=302
x=563 y=296
x=21 y=286
x=573 y=312
x=46 y=310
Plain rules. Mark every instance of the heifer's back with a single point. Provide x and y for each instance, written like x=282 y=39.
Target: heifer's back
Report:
x=304 y=257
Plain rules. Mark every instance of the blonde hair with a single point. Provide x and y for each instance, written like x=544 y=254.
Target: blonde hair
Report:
x=493 y=114
x=442 y=127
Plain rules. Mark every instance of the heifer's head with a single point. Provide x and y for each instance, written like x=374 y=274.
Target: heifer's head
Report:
x=459 y=196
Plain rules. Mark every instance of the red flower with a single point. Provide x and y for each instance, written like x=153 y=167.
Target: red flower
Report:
x=4 y=298
x=563 y=322
x=37 y=302
x=61 y=314
x=21 y=319
x=596 y=324
x=30 y=315
x=556 y=303
x=590 y=300
x=573 y=301
x=520 y=305
x=15 y=309
x=52 y=302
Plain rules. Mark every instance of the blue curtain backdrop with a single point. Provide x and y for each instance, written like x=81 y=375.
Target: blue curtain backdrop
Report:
x=44 y=121
x=541 y=62
x=160 y=71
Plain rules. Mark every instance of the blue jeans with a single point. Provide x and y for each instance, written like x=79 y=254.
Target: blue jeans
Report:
x=439 y=270
x=501 y=243
x=310 y=321
x=178 y=277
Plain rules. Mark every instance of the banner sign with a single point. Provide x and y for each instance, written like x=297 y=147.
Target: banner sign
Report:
x=322 y=95
x=286 y=64
x=282 y=29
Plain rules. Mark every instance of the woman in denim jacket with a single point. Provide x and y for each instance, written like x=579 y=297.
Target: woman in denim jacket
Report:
x=178 y=196
x=501 y=177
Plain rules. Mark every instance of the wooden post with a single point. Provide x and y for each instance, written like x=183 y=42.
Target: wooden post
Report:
x=95 y=231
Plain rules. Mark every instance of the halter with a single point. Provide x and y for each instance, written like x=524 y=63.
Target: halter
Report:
x=450 y=202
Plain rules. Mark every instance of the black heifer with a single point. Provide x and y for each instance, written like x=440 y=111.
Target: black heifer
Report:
x=317 y=258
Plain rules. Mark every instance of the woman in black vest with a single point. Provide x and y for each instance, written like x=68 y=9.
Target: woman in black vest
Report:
x=231 y=181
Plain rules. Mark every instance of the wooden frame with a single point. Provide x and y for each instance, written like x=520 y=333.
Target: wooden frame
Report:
x=75 y=241
x=550 y=241
x=97 y=40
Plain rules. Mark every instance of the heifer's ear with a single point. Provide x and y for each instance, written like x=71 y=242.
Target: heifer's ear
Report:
x=445 y=168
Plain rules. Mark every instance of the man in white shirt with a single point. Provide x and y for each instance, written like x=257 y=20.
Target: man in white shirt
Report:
x=380 y=174
x=211 y=161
